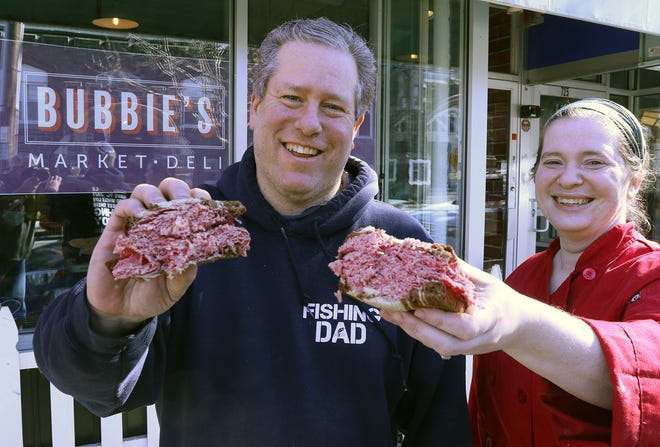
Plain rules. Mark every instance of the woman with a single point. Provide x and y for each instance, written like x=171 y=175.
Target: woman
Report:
x=569 y=345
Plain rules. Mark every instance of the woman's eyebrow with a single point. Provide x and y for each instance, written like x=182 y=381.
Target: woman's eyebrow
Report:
x=550 y=154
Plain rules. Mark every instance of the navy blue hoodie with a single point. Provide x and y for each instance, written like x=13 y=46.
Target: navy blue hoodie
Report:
x=259 y=351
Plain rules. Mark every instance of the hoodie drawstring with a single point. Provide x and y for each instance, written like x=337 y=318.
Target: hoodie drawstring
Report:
x=292 y=260
x=392 y=347
x=319 y=239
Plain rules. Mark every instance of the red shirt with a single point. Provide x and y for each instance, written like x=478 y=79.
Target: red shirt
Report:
x=615 y=288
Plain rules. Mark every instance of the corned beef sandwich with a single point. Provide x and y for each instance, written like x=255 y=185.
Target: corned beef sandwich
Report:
x=174 y=235
x=401 y=274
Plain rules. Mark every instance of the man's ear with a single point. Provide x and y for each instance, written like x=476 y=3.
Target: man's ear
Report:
x=357 y=125
x=254 y=104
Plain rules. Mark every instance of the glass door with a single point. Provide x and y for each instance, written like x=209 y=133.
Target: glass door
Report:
x=501 y=178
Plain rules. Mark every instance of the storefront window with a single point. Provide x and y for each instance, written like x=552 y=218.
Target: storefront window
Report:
x=107 y=110
x=622 y=79
x=423 y=113
x=413 y=134
x=649 y=115
x=648 y=78
x=86 y=116
x=103 y=110
x=501 y=38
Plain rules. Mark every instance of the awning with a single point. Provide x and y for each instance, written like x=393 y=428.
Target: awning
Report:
x=638 y=15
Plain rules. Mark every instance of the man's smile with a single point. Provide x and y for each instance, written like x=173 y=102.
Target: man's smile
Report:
x=302 y=151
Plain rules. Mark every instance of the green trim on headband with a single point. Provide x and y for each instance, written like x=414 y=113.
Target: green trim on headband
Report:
x=623 y=118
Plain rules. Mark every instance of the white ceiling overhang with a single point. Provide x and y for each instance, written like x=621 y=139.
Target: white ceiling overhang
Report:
x=637 y=15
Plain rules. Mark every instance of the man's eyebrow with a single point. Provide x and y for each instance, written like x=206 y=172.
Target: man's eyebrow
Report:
x=298 y=88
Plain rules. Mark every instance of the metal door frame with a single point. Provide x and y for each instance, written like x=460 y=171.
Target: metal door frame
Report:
x=512 y=199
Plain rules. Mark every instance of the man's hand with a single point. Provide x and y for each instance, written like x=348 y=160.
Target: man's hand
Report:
x=120 y=306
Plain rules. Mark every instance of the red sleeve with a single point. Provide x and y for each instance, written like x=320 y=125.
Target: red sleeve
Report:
x=631 y=350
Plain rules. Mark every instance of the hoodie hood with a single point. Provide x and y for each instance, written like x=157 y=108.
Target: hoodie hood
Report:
x=342 y=211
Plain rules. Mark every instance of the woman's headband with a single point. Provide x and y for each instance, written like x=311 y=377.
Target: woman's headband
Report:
x=623 y=118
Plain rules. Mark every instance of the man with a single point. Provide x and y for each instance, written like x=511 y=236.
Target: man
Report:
x=256 y=350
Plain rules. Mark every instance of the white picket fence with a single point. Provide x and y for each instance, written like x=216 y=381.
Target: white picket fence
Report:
x=62 y=420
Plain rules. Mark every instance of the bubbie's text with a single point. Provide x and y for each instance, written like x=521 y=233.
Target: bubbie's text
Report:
x=81 y=110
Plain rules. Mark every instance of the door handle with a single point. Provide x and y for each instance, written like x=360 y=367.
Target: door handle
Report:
x=540 y=223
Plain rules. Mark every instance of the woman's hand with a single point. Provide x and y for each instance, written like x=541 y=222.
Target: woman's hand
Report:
x=552 y=343
x=486 y=326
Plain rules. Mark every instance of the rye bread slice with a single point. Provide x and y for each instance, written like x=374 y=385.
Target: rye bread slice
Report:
x=401 y=274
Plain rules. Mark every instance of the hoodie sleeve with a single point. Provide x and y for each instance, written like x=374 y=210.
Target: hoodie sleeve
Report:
x=99 y=371
x=631 y=350
x=434 y=410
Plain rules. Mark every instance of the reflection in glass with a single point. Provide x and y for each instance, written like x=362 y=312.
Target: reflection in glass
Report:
x=649 y=115
x=423 y=119
x=94 y=115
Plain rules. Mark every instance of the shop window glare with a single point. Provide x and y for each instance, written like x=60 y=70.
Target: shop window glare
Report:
x=621 y=79
x=651 y=118
x=649 y=78
x=123 y=42
x=596 y=79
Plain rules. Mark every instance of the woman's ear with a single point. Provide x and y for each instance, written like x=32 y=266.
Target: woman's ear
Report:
x=634 y=186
